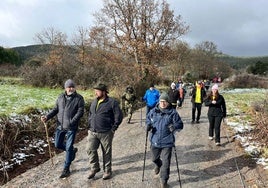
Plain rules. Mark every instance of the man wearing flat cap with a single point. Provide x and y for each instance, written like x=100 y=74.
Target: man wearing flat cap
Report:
x=104 y=118
x=69 y=109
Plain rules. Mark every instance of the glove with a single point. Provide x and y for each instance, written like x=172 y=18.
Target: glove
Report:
x=171 y=128
x=149 y=128
x=114 y=128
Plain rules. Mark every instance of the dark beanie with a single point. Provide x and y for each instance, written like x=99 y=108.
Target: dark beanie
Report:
x=69 y=83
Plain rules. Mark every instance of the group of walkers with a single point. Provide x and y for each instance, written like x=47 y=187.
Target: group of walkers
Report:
x=105 y=116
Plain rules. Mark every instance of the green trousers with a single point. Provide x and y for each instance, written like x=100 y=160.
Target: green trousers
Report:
x=94 y=140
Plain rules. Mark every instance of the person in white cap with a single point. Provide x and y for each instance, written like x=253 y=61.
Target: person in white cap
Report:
x=216 y=112
x=69 y=109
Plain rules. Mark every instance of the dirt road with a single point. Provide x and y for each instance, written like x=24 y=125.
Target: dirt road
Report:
x=201 y=162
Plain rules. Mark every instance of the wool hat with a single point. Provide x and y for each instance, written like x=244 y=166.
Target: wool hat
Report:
x=164 y=96
x=215 y=87
x=151 y=85
x=101 y=87
x=173 y=85
x=69 y=83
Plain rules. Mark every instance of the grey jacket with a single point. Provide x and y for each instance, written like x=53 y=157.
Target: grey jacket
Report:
x=69 y=110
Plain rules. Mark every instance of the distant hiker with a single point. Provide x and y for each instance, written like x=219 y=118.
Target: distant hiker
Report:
x=127 y=101
x=198 y=93
x=69 y=109
x=216 y=112
x=151 y=97
x=173 y=95
x=104 y=118
x=162 y=122
x=182 y=92
x=207 y=84
x=179 y=83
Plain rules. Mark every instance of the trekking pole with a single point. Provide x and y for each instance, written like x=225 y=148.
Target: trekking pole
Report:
x=176 y=158
x=144 y=155
x=141 y=115
x=49 y=147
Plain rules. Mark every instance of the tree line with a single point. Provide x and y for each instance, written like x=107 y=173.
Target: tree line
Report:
x=141 y=38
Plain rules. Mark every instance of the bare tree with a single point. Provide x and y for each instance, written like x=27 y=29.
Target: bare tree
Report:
x=51 y=36
x=81 y=43
x=140 y=28
x=57 y=41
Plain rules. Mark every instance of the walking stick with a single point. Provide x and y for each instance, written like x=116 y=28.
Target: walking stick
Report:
x=49 y=147
x=175 y=152
x=141 y=115
x=144 y=155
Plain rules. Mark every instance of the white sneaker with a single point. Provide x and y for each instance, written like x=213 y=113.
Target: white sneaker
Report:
x=218 y=144
x=210 y=138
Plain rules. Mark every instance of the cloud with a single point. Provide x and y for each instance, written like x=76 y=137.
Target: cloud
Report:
x=237 y=27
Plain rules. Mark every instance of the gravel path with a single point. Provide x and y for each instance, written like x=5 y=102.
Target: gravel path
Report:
x=201 y=163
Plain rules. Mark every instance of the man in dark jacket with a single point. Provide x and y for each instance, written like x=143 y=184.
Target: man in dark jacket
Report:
x=104 y=118
x=198 y=94
x=69 y=109
x=163 y=121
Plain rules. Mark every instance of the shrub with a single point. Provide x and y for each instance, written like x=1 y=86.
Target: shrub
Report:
x=247 y=81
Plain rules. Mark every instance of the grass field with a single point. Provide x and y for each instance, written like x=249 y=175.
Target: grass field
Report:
x=18 y=99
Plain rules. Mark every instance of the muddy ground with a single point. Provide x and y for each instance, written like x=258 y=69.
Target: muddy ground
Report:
x=201 y=162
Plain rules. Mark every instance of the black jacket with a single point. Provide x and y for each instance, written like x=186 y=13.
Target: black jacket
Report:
x=69 y=111
x=173 y=95
x=218 y=109
x=193 y=93
x=107 y=117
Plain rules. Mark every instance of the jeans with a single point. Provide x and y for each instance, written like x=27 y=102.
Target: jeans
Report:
x=94 y=140
x=215 y=125
x=64 y=140
x=164 y=163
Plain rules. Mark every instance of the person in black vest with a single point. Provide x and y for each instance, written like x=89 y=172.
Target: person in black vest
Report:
x=198 y=94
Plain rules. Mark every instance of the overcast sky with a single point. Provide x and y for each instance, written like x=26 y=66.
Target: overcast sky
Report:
x=237 y=27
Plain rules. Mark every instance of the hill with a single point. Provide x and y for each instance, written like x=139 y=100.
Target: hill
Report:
x=40 y=51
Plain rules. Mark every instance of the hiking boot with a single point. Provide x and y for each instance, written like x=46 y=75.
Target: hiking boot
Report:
x=218 y=144
x=192 y=122
x=65 y=173
x=92 y=173
x=75 y=151
x=107 y=175
x=156 y=170
x=197 y=121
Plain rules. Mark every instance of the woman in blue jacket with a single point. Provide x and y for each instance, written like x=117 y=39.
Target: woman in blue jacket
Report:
x=162 y=121
x=151 y=97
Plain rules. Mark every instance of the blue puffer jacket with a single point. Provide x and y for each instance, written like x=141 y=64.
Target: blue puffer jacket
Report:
x=161 y=135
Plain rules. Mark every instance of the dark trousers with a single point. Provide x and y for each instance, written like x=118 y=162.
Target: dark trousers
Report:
x=215 y=125
x=196 y=106
x=161 y=157
x=64 y=140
